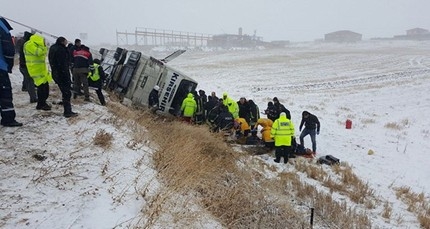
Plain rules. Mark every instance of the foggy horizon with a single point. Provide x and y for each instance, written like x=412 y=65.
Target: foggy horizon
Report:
x=272 y=20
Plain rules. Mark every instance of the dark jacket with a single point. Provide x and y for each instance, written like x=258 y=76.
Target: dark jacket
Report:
x=24 y=39
x=82 y=58
x=244 y=110
x=153 y=99
x=311 y=122
x=98 y=83
x=271 y=112
x=7 y=49
x=224 y=120
x=58 y=57
x=254 y=112
x=281 y=108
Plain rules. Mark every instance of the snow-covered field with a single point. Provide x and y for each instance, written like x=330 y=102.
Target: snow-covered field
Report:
x=381 y=86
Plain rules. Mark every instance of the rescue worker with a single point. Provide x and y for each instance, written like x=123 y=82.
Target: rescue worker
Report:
x=59 y=60
x=35 y=52
x=204 y=98
x=312 y=127
x=73 y=47
x=224 y=121
x=280 y=108
x=82 y=65
x=214 y=113
x=232 y=106
x=213 y=95
x=242 y=127
x=96 y=79
x=153 y=100
x=282 y=132
x=266 y=125
x=254 y=113
x=199 y=116
x=28 y=83
x=7 y=53
x=271 y=111
x=188 y=108
x=244 y=109
x=211 y=103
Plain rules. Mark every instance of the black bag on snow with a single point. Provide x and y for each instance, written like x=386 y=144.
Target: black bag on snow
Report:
x=328 y=160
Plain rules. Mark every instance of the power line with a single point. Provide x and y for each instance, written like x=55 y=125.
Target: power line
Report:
x=30 y=27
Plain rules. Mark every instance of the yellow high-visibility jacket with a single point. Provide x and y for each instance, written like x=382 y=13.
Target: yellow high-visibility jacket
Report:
x=282 y=131
x=35 y=52
x=189 y=106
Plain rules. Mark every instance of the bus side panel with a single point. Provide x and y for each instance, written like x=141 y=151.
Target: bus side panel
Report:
x=134 y=81
x=177 y=86
x=146 y=82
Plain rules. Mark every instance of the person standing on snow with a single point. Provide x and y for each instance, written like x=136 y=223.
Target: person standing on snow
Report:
x=244 y=109
x=95 y=80
x=188 y=108
x=282 y=132
x=271 y=111
x=35 y=52
x=254 y=113
x=312 y=127
x=82 y=65
x=280 y=108
x=7 y=53
x=59 y=60
x=153 y=100
x=28 y=83
x=232 y=106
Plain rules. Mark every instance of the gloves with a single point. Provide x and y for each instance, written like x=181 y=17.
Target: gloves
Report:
x=318 y=132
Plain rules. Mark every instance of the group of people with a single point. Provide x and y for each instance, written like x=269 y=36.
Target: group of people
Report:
x=243 y=118
x=65 y=60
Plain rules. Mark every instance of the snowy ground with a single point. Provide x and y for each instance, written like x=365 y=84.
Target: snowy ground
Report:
x=381 y=86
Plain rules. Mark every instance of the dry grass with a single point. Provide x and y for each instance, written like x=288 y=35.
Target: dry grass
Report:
x=103 y=139
x=367 y=121
x=387 y=211
x=417 y=203
x=193 y=162
x=393 y=125
x=398 y=126
x=346 y=182
x=328 y=212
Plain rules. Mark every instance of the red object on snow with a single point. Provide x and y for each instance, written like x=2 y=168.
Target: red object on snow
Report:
x=348 y=124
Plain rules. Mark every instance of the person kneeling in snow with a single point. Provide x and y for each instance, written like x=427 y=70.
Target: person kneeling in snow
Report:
x=96 y=79
x=265 y=131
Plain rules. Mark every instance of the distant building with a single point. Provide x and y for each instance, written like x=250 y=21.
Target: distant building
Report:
x=414 y=34
x=342 y=36
x=416 y=31
x=235 y=40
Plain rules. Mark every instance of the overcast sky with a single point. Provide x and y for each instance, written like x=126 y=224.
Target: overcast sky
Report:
x=294 y=20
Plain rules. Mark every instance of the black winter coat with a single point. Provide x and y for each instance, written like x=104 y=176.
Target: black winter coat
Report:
x=311 y=123
x=59 y=61
x=153 y=99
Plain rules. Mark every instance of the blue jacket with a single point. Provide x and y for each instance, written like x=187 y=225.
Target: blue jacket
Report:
x=7 y=49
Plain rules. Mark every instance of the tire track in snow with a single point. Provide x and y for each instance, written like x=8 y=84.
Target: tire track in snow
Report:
x=348 y=83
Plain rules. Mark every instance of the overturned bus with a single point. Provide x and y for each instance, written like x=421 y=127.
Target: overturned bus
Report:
x=133 y=75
